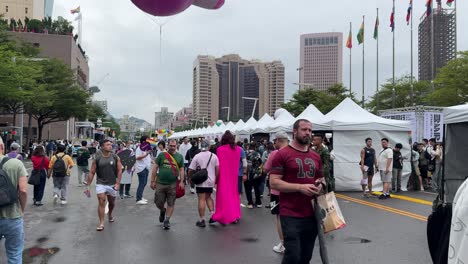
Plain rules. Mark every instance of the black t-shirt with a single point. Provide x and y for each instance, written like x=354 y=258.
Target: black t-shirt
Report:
x=397 y=160
x=369 y=157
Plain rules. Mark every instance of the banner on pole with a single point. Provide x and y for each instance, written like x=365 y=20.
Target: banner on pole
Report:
x=433 y=125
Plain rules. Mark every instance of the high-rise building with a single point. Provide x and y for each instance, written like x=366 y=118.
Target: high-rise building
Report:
x=436 y=36
x=20 y=9
x=231 y=80
x=321 y=60
x=162 y=119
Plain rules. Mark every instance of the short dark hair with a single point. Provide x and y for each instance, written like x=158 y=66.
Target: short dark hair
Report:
x=102 y=142
x=425 y=140
x=172 y=140
x=384 y=139
x=367 y=139
x=84 y=143
x=162 y=143
x=398 y=145
x=184 y=137
x=61 y=148
x=319 y=136
x=253 y=145
x=193 y=142
x=143 y=139
x=298 y=122
x=432 y=140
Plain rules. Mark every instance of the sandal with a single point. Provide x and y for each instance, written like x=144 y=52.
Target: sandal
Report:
x=111 y=219
x=100 y=228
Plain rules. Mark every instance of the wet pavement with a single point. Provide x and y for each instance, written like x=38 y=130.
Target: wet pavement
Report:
x=390 y=231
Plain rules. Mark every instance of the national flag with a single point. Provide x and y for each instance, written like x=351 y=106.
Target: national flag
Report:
x=392 y=20
x=376 y=28
x=449 y=2
x=428 y=7
x=408 y=14
x=360 y=35
x=349 y=42
x=76 y=10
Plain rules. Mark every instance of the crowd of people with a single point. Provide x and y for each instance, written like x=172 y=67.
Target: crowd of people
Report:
x=291 y=171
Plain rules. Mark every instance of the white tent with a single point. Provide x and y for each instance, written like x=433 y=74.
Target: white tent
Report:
x=455 y=149
x=351 y=125
x=314 y=115
x=248 y=127
x=263 y=124
x=283 y=121
x=238 y=126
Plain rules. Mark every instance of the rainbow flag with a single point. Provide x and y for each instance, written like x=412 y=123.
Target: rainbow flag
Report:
x=408 y=14
x=376 y=28
x=349 y=42
x=75 y=11
x=428 y=7
x=360 y=35
x=392 y=20
x=152 y=142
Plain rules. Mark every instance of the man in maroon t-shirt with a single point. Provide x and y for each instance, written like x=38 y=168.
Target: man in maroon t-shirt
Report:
x=296 y=172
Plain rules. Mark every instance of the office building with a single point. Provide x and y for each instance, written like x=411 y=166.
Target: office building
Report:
x=163 y=118
x=321 y=60
x=20 y=9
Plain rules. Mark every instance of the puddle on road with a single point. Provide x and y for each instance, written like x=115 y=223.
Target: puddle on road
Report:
x=356 y=240
x=60 y=219
x=30 y=254
x=249 y=239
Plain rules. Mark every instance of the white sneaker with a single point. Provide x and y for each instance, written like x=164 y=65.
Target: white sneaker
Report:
x=63 y=202
x=142 y=202
x=56 y=198
x=242 y=205
x=192 y=190
x=279 y=248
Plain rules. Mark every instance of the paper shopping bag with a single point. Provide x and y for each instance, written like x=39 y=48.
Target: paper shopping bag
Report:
x=332 y=218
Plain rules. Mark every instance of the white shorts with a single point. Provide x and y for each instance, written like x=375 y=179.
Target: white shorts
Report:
x=107 y=189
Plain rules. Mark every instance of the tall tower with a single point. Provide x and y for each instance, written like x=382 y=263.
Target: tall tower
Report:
x=321 y=60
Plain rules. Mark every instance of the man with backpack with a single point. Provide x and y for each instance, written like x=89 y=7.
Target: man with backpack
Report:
x=13 y=197
x=194 y=150
x=83 y=156
x=254 y=176
x=59 y=169
x=108 y=168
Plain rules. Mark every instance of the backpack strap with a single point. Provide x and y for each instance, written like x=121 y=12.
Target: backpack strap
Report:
x=4 y=160
x=208 y=164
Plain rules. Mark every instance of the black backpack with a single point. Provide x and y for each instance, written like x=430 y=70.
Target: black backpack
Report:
x=8 y=192
x=254 y=163
x=201 y=175
x=81 y=159
x=60 y=168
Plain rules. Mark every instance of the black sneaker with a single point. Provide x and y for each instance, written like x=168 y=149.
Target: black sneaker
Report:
x=166 y=224
x=382 y=197
x=162 y=215
x=388 y=196
x=211 y=221
x=201 y=223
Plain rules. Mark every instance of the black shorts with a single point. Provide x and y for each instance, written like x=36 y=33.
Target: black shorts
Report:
x=274 y=203
x=204 y=190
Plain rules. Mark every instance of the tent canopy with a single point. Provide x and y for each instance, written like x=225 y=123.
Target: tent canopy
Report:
x=282 y=122
x=350 y=116
x=456 y=114
x=263 y=124
x=248 y=127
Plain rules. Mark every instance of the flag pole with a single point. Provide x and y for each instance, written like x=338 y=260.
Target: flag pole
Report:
x=377 y=39
x=411 y=80
x=456 y=35
x=363 y=43
x=432 y=46
x=393 y=64
x=350 y=90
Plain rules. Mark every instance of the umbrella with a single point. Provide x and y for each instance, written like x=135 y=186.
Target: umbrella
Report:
x=127 y=158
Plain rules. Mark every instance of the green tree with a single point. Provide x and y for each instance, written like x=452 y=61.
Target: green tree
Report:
x=383 y=99
x=94 y=112
x=451 y=82
x=324 y=101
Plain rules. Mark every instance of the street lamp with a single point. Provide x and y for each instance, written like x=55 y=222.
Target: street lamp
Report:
x=300 y=70
x=255 y=103
x=228 y=108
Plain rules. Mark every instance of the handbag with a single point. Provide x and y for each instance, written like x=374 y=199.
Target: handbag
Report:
x=35 y=178
x=331 y=217
x=180 y=192
x=201 y=176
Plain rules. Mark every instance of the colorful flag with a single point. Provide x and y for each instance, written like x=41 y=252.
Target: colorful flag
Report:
x=408 y=14
x=349 y=42
x=392 y=20
x=76 y=10
x=360 y=35
x=428 y=7
x=449 y=2
x=376 y=28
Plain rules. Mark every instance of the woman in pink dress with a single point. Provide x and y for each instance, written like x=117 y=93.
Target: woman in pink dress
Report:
x=227 y=209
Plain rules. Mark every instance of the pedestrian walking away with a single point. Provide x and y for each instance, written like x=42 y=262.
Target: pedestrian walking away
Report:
x=209 y=161
x=142 y=169
x=183 y=149
x=369 y=166
x=108 y=170
x=385 y=168
x=82 y=157
x=13 y=198
x=60 y=168
x=171 y=166
x=41 y=165
x=297 y=174
x=194 y=150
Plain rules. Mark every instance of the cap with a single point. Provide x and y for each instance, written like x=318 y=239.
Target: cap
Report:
x=14 y=146
x=281 y=135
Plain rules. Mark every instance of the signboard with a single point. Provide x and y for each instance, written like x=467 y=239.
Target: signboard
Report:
x=433 y=126
x=406 y=116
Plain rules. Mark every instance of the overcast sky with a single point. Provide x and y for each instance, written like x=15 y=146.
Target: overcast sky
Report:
x=123 y=41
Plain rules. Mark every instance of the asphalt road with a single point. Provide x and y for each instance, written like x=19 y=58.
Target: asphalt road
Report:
x=391 y=231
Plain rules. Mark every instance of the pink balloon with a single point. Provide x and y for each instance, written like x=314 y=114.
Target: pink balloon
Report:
x=162 y=7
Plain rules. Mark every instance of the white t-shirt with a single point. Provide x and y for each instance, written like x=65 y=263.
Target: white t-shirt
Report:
x=183 y=148
x=459 y=232
x=200 y=161
x=383 y=157
x=140 y=165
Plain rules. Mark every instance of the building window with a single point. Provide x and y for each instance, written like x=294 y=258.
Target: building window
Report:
x=6 y=9
x=26 y=10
